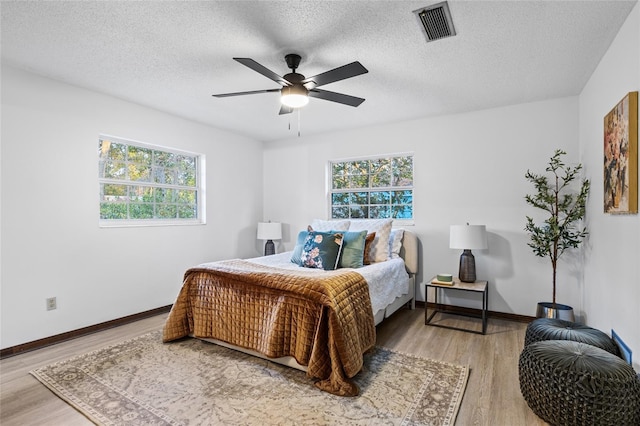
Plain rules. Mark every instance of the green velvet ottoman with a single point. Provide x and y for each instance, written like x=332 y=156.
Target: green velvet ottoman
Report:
x=571 y=383
x=557 y=329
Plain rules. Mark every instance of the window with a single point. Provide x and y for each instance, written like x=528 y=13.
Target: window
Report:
x=142 y=184
x=372 y=188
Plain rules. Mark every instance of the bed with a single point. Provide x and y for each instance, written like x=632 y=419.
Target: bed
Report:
x=319 y=321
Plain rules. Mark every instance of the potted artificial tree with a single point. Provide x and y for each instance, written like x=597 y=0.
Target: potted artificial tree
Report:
x=561 y=230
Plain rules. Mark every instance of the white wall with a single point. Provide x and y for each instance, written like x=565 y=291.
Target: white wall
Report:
x=51 y=242
x=612 y=262
x=468 y=168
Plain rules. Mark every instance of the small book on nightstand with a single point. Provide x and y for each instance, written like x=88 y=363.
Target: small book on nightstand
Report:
x=437 y=281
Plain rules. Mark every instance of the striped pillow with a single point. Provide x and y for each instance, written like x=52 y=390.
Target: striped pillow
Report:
x=379 y=251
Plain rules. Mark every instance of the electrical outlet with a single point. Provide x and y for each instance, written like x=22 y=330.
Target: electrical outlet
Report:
x=52 y=304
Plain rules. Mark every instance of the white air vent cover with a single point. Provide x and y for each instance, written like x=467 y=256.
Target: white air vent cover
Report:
x=436 y=21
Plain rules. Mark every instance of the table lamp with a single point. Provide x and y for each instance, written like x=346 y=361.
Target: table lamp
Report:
x=467 y=237
x=269 y=231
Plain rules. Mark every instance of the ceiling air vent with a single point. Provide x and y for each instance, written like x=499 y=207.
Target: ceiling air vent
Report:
x=436 y=21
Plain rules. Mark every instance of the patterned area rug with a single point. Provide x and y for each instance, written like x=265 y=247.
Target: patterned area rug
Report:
x=191 y=382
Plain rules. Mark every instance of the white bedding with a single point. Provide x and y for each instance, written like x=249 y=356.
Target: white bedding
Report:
x=387 y=280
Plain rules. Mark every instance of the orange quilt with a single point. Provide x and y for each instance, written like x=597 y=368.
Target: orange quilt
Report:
x=322 y=319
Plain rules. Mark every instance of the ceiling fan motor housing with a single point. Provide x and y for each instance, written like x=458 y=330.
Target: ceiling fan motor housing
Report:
x=294 y=78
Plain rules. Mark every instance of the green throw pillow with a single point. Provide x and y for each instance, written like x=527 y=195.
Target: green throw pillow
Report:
x=321 y=250
x=352 y=249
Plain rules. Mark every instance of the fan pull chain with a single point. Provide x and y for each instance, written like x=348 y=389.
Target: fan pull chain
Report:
x=298 y=111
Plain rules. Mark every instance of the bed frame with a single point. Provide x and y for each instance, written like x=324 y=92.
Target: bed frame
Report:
x=409 y=252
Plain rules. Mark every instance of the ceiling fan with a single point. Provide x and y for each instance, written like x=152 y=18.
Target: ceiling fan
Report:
x=296 y=89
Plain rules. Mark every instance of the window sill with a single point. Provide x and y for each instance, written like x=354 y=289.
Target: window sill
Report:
x=147 y=223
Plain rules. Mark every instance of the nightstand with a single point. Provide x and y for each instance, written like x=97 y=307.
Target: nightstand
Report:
x=477 y=287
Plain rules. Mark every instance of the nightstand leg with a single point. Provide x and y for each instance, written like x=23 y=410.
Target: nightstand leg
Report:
x=427 y=318
x=426 y=304
x=485 y=302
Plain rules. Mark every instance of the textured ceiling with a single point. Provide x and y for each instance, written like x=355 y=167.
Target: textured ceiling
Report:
x=174 y=55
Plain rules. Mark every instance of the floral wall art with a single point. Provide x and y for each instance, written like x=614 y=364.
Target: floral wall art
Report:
x=621 y=157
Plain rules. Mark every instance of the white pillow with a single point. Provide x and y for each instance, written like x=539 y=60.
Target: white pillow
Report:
x=395 y=243
x=320 y=225
x=382 y=227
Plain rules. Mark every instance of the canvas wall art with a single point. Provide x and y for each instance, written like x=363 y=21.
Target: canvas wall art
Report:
x=621 y=157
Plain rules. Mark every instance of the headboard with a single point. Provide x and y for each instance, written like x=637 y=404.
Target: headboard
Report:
x=409 y=251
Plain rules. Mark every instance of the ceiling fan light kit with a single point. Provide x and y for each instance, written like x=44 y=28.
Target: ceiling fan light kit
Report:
x=295 y=96
x=296 y=89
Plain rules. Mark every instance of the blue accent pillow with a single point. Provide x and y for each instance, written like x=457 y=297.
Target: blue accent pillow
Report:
x=296 y=257
x=352 y=249
x=321 y=250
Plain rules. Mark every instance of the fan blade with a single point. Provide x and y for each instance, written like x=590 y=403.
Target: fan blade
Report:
x=285 y=110
x=340 y=98
x=253 y=92
x=346 y=71
x=248 y=62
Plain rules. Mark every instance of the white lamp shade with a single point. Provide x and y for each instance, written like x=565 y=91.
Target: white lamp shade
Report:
x=468 y=237
x=269 y=231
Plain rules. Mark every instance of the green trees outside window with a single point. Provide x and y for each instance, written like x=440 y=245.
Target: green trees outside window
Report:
x=372 y=188
x=139 y=183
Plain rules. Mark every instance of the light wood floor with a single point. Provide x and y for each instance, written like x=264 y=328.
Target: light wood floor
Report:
x=492 y=396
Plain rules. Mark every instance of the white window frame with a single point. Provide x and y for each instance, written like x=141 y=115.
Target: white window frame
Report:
x=200 y=218
x=330 y=191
